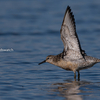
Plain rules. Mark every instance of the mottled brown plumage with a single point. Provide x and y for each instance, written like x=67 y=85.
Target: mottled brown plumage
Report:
x=72 y=58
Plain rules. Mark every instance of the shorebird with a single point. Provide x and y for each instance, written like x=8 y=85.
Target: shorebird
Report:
x=73 y=58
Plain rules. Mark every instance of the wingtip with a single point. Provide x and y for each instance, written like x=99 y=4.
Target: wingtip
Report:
x=70 y=14
x=68 y=8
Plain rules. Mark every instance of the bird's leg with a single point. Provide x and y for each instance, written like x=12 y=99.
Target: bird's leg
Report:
x=75 y=75
x=78 y=75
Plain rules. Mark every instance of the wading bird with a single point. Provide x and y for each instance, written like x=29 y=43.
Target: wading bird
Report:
x=72 y=58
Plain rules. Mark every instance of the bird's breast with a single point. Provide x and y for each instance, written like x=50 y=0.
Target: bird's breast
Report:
x=67 y=65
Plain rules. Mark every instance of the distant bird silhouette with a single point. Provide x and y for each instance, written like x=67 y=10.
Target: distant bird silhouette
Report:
x=72 y=58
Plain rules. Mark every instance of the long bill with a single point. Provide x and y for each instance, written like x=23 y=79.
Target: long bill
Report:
x=42 y=62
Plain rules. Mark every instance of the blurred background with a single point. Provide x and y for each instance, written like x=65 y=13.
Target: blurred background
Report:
x=30 y=29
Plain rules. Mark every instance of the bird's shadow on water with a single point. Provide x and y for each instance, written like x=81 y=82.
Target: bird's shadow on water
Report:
x=74 y=90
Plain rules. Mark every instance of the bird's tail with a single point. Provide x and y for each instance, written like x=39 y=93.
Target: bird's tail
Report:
x=98 y=60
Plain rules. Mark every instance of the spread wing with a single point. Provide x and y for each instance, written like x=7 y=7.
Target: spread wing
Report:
x=69 y=35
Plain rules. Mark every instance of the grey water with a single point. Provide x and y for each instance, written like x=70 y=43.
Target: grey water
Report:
x=29 y=31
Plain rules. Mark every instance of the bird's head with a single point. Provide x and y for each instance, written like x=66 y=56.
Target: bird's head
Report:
x=49 y=59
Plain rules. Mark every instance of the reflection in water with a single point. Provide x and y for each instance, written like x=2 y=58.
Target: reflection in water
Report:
x=70 y=90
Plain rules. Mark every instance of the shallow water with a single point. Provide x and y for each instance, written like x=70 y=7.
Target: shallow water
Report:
x=32 y=30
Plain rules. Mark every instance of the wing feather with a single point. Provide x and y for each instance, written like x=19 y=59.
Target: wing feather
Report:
x=69 y=35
